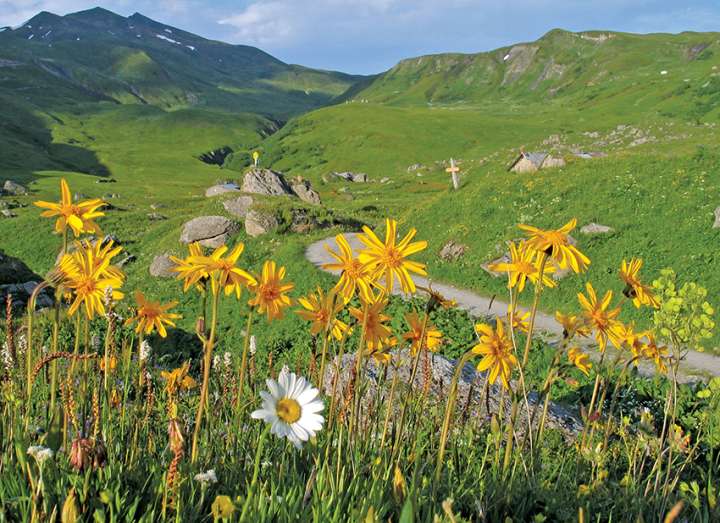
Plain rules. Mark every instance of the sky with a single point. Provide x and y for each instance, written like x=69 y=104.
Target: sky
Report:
x=370 y=36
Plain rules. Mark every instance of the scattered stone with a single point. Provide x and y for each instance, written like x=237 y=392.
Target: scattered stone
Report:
x=259 y=222
x=352 y=177
x=14 y=270
x=156 y=217
x=385 y=180
x=505 y=258
x=156 y=206
x=5 y=213
x=596 y=228
x=265 y=181
x=238 y=206
x=305 y=192
x=222 y=189
x=451 y=251
x=162 y=267
x=21 y=293
x=210 y=231
x=127 y=259
x=111 y=196
x=302 y=222
x=415 y=167
x=14 y=188
x=716 y=225
x=471 y=386
x=106 y=180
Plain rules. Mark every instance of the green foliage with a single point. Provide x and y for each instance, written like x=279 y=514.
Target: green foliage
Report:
x=684 y=316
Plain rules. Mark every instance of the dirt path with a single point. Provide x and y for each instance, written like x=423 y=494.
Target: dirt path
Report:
x=695 y=364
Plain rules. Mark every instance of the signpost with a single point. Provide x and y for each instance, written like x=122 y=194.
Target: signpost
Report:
x=454 y=170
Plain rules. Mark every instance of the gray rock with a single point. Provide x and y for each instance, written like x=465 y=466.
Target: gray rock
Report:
x=473 y=405
x=352 y=177
x=384 y=180
x=259 y=222
x=716 y=225
x=14 y=188
x=162 y=267
x=505 y=258
x=105 y=180
x=302 y=222
x=156 y=206
x=156 y=217
x=414 y=167
x=221 y=189
x=14 y=270
x=210 y=231
x=451 y=251
x=265 y=181
x=6 y=213
x=596 y=228
x=239 y=206
x=305 y=192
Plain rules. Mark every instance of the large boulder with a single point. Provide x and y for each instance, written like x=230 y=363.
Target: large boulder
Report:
x=162 y=267
x=14 y=188
x=474 y=400
x=239 y=206
x=223 y=188
x=210 y=231
x=14 y=270
x=17 y=280
x=259 y=222
x=305 y=192
x=20 y=294
x=265 y=181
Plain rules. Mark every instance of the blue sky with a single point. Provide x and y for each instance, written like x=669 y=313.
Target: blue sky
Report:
x=372 y=35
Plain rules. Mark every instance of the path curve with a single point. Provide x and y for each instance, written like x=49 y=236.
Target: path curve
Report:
x=695 y=364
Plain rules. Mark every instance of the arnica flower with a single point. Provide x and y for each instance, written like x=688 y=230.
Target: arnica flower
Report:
x=633 y=339
x=432 y=338
x=178 y=379
x=518 y=320
x=226 y=275
x=291 y=408
x=652 y=351
x=389 y=259
x=79 y=217
x=572 y=325
x=557 y=245
x=321 y=310
x=634 y=289
x=151 y=315
x=497 y=351
x=90 y=275
x=523 y=266
x=580 y=360
x=270 y=291
x=603 y=321
x=371 y=319
x=189 y=271
x=354 y=275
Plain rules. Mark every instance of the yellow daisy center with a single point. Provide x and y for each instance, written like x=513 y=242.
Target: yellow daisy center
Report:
x=288 y=410
x=392 y=257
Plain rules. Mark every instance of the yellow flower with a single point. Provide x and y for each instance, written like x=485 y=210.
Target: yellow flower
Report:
x=226 y=274
x=371 y=319
x=322 y=311
x=634 y=289
x=222 y=507
x=112 y=363
x=89 y=275
x=580 y=360
x=389 y=259
x=572 y=325
x=497 y=351
x=632 y=339
x=523 y=265
x=652 y=351
x=433 y=337
x=354 y=275
x=270 y=292
x=79 y=217
x=178 y=379
x=556 y=244
x=151 y=315
x=603 y=321
x=520 y=320
x=189 y=270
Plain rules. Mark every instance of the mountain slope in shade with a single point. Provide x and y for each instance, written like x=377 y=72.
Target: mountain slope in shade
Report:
x=138 y=60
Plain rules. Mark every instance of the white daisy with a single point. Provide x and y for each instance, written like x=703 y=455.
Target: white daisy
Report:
x=206 y=477
x=291 y=408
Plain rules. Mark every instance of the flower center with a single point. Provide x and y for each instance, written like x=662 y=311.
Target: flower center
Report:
x=270 y=292
x=392 y=257
x=288 y=410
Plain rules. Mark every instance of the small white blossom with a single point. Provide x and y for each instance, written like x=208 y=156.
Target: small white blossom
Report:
x=206 y=477
x=41 y=454
x=145 y=350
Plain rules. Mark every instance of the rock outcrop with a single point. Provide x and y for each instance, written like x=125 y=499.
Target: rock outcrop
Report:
x=259 y=222
x=352 y=177
x=13 y=188
x=162 y=267
x=265 y=181
x=210 y=231
x=239 y=206
x=305 y=192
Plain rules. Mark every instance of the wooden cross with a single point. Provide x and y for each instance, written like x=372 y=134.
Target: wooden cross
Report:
x=454 y=170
